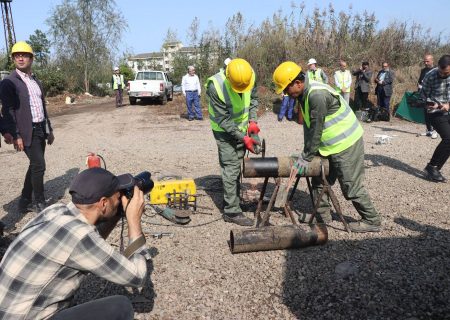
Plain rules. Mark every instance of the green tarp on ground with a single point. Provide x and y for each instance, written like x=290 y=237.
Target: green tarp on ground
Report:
x=408 y=110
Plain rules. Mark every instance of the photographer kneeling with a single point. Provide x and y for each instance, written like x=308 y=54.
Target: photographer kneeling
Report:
x=44 y=266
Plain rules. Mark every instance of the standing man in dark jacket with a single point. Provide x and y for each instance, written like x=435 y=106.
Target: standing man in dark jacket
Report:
x=362 y=87
x=23 y=101
x=428 y=61
x=383 y=90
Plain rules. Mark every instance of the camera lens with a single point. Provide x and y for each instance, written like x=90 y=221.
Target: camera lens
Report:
x=143 y=181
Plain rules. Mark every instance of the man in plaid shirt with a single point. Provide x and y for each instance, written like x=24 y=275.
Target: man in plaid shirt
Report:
x=44 y=266
x=436 y=92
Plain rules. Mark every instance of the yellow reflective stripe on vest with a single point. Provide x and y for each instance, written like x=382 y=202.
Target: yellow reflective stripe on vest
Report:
x=239 y=104
x=341 y=129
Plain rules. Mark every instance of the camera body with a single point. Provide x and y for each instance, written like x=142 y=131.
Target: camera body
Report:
x=143 y=181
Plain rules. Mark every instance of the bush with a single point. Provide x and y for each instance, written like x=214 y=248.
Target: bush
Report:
x=52 y=80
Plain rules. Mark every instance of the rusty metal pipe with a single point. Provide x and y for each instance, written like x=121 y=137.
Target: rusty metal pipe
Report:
x=276 y=238
x=280 y=167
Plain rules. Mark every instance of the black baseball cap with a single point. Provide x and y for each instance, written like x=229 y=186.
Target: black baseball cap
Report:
x=92 y=184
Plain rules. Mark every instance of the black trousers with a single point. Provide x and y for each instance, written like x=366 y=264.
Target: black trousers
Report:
x=34 y=179
x=441 y=123
x=427 y=120
x=109 y=308
x=361 y=100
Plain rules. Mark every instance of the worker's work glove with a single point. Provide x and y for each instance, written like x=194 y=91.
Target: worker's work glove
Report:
x=253 y=128
x=250 y=143
x=301 y=165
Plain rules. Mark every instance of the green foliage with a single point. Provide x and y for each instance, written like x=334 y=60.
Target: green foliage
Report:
x=41 y=47
x=127 y=72
x=52 y=79
x=85 y=34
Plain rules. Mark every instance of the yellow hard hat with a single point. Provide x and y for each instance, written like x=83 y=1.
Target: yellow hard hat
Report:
x=284 y=74
x=22 y=46
x=241 y=75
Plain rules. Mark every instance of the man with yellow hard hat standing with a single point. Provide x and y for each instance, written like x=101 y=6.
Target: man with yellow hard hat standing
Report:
x=23 y=99
x=232 y=113
x=331 y=130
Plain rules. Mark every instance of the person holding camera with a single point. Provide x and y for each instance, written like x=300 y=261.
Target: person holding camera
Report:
x=44 y=266
x=362 y=87
x=435 y=92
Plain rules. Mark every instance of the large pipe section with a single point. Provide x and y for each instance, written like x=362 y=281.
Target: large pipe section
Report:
x=281 y=167
x=276 y=238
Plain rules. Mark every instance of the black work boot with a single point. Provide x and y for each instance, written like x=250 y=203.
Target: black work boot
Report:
x=24 y=205
x=433 y=173
x=238 y=218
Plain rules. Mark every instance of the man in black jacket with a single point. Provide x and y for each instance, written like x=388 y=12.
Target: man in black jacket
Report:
x=362 y=87
x=383 y=90
x=23 y=102
x=428 y=62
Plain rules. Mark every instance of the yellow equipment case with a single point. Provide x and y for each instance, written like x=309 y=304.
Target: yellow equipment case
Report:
x=161 y=190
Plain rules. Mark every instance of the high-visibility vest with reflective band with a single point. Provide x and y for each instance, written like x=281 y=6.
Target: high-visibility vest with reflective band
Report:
x=340 y=129
x=239 y=103
x=342 y=77
x=116 y=78
x=315 y=76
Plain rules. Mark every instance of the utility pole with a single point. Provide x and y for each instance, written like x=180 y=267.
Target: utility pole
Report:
x=8 y=27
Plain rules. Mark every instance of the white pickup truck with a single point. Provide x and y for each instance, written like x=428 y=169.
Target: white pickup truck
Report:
x=150 y=85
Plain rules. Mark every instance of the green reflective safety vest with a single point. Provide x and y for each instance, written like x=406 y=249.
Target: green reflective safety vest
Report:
x=340 y=129
x=315 y=76
x=116 y=81
x=239 y=103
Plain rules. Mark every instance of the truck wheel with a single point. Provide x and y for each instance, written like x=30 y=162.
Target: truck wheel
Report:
x=170 y=98
x=164 y=99
x=132 y=101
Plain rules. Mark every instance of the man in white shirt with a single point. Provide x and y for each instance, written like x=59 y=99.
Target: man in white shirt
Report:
x=191 y=87
x=343 y=81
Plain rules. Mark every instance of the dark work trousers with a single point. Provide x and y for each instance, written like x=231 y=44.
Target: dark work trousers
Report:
x=34 y=179
x=109 y=308
x=427 y=120
x=348 y=168
x=193 y=105
x=119 y=96
x=361 y=100
x=383 y=101
x=441 y=123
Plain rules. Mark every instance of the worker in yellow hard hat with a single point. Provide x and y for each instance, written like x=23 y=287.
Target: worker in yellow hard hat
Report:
x=331 y=130
x=23 y=100
x=232 y=113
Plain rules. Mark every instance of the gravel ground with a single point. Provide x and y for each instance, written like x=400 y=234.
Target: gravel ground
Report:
x=400 y=273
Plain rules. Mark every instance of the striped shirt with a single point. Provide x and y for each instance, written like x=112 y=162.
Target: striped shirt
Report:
x=45 y=264
x=435 y=87
x=35 y=93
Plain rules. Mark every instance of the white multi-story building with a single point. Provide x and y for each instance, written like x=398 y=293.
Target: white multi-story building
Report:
x=160 y=60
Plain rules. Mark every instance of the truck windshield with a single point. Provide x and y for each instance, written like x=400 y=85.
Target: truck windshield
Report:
x=149 y=75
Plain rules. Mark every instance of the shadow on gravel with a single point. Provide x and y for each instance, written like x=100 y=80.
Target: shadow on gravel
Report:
x=394 y=129
x=54 y=190
x=377 y=278
x=380 y=160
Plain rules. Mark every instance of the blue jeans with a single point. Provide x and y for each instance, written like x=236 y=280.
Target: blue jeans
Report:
x=193 y=99
x=287 y=103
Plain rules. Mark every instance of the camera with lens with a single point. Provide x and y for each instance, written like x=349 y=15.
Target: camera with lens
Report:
x=143 y=181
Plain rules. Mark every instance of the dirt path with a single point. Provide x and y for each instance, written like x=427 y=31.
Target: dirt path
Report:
x=400 y=273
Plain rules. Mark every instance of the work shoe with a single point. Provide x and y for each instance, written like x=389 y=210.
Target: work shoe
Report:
x=320 y=218
x=238 y=218
x=434 y=134
x=432 y=173
x=364 y=226
x=24 y=205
